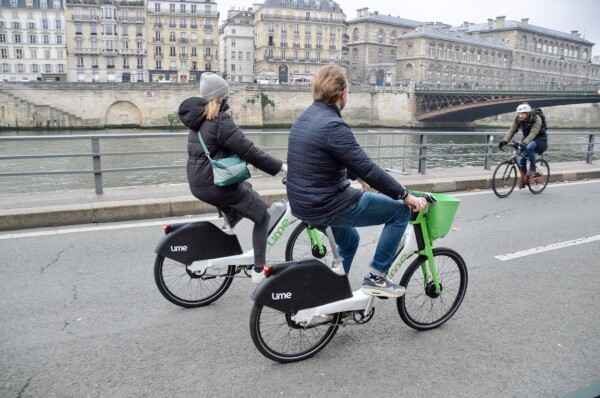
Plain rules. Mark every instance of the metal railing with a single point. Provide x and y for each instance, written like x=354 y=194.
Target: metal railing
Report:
x=385 y=148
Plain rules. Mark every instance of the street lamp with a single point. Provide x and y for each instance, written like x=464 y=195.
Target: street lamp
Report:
x=562 y=59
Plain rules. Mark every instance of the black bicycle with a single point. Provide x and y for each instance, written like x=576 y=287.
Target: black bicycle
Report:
x=505 y=175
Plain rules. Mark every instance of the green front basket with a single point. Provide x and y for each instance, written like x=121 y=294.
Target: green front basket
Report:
x=440 y=215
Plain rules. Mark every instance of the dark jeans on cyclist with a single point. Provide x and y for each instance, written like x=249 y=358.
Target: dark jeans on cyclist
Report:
x=370 y=209
x=529 y=153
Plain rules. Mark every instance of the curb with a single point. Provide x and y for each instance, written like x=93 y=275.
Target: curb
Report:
x=178 y=206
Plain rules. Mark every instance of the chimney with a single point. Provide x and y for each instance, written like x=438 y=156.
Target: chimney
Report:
x=429 y=26
x=500 y=22
x=525 y=21
x=490 y=22
x=465 y=24
x=446 y=29
x=362 y=12
x=575 y=33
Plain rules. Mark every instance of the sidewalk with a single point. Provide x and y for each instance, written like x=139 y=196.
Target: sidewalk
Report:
x=51 y=209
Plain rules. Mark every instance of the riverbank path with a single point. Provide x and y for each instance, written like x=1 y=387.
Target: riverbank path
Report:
x=51 y=209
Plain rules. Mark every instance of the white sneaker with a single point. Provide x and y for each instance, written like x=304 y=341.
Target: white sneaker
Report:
x=257 y=277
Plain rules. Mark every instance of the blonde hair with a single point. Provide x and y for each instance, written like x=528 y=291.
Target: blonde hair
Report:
x=212 y=109
x=328 y=84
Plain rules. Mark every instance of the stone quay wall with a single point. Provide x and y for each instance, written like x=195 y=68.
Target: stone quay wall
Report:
x=147 y=105
x=94 y=105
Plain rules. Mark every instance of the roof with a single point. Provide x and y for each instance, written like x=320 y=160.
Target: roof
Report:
x=32 y=4
x=324 y=5
x=453 y=36
x=388 y=19
x=509 y=25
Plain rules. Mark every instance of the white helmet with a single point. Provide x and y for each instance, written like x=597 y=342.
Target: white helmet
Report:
x=524 y=108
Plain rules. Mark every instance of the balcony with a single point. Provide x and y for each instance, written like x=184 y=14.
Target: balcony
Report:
x=208 y=28
x=158 y=26
x=110 y=52
x=345 y=38
x=183 y=41
x=267 y=17
x=202 y=13
x=345 y=50
x=183 y=56
x=158 y=56
x=208 y=42
x=208 y=57
x=158 y=41
x=85 y=18
x=86 y=51
x=132 y=19
x=110 y=67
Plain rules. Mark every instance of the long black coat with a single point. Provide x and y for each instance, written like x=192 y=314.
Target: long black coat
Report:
x=322 y=155
x=223 y=139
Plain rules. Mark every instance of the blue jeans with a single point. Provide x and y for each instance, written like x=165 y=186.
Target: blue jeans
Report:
x=371 y=209
x=529 y=154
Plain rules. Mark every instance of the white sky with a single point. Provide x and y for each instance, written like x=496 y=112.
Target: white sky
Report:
x=561 y=15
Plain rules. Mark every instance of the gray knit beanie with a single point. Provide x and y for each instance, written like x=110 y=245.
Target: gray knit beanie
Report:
x=212 y=86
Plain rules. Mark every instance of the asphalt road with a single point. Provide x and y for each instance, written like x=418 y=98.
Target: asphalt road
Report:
x=81 y=316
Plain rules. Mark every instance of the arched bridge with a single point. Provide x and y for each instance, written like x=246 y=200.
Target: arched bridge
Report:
x=453 y=104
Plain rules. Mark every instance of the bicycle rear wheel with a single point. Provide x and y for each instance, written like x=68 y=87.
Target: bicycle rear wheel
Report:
x=278 y=337
x=504 y=179
x=421 y=307
x=187 y=289
x=299 y=246
x=538 y=184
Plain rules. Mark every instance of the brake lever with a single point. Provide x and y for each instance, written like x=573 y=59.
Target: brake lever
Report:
x=429 y=198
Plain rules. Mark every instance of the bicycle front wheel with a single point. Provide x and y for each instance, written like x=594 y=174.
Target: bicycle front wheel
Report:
x=421 y=307
x=190 y=289
x=538 y=184
x=504 y=179
x=300 y=247
x=278 y=337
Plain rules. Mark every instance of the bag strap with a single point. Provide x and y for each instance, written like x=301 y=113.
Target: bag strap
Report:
x=204 y=146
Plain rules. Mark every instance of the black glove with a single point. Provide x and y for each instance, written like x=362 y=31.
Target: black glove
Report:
x=501 y=144
x=522 y=147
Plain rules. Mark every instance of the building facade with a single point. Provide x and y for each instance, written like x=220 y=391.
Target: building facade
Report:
x=435 y=54
x=386 y=50
x=32 y=40
x=541 y=56
x=106 y=40
x=183 y=39
x=296 y=37
x=373 y=46
x=236 y=46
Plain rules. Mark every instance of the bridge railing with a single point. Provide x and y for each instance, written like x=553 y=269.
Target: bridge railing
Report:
x=395 y=150
x=590 y=89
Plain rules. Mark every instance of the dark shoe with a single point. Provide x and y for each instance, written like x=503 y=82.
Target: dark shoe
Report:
x=532 y=174
x=521 y=184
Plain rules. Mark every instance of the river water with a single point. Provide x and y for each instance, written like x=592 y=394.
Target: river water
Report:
x=396 y=151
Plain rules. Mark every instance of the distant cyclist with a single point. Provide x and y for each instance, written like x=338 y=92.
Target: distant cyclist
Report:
x=534 y=137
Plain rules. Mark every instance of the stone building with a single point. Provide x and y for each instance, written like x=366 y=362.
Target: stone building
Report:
x=296 y=37
x=434 y=54
x=32 y=40
x=374 y=46
x=541 y=56
x=236 y=46
x=387 y=50
x=183 y=39
x=106 y=40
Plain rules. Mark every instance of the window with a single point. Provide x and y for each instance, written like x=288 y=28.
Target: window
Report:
x=93 y=30
x=156 y=7
x=43 y=3
x=248 y=56
x=193 y=8
x=20 y=68
x=59 y=39
x=3 y=53
x=61 y=68
x=80 y=62
x=58 y=24
x=240 y=55
x=2 y=38
x=44 y=24
x=233 y=67
x=18 y=53
x=31 y=25
x=34 y=68
x=5 y=68
x=47 y=68
x=46 y=54
x=32 y=39
x=158 y=64
x=17 y=38
x=307 y=30
x=171 y=7
x=46 y=39
x=33 y=53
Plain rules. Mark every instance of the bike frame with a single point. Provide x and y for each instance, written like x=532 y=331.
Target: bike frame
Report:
x=515 y=159
x=247 y=258
x=409 y=246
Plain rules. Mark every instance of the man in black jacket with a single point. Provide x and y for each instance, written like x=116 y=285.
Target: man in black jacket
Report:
x=322 y=155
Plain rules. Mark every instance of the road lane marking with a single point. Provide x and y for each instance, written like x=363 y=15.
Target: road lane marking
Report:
x=95 y=228
x=541 y=249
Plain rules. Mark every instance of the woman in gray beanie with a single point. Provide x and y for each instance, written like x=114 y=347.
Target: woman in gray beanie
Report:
x=207 y=114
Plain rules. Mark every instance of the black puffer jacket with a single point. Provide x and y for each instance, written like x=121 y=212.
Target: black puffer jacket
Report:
x=322 y=154
x=222 y=138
